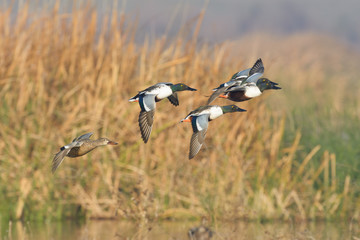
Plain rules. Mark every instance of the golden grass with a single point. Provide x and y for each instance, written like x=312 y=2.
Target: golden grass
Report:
x=61 y=76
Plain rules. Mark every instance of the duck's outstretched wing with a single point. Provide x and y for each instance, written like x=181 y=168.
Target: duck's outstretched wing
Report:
x=255 y=73
x=59 y=157
x=216 y=94
x=253 y=78
x=146 y=120
x=197 y=140
x=174 y=99
x=147 y=102
x=250 y=74
x=241 y=75
x=257 y=68
x=85 y=136
x=237 y=88
x=199 y=125
x=146 y=116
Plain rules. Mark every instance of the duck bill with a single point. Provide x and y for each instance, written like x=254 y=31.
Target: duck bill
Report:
x=240 y=110
x=273 y=85
x=112 y=143
x=191 y=89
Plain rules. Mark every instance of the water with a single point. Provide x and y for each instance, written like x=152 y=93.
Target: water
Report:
x=177 y=230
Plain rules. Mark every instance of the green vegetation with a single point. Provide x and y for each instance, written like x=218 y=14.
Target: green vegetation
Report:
x=292 y=155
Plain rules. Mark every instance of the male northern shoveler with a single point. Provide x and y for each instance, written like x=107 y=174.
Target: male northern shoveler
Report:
x=78 y=147
x=200 y=233
x=200 y=118
x=248 y=90
x=255 y=72
x=147 y=99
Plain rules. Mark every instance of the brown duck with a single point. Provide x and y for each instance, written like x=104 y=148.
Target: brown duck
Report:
x=200 y=233
x=78 y=147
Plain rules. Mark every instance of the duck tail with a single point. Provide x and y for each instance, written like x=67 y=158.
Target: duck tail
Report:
x=134 y=99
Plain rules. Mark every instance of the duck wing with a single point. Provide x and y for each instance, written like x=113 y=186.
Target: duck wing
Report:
x=83 y=137
x=236 y=79
x=146 y=116
x=241 y=75
x=199 y=125
x=257 y=68
x=146 y=120
x=253 y=78
x=217 y=93
x=64 y=151
x=59 y=157
x=256 y=72
x=174 y=99
x=237 y=88
x=147 y=102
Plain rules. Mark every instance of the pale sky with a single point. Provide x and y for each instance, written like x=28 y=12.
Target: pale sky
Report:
x=230 y=19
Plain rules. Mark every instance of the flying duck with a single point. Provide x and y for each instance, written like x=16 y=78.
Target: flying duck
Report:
x=200 y=118
x=78 y=147
x=248 y=90
x=147 y=100
x=249 y=74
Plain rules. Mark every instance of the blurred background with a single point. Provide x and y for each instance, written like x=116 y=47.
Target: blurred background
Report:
x=229 y=19
x=69 y=67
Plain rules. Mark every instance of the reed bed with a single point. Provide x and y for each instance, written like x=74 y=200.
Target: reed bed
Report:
x=62 y=75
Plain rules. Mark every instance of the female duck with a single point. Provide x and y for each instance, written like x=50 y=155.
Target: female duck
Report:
x=200 y=233
x=78 y=147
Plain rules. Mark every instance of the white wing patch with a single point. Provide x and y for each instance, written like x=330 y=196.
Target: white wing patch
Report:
x=198 y=124
x=253 y=78
x=149 y=102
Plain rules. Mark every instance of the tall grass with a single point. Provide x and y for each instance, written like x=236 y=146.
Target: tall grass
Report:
x=62 y=75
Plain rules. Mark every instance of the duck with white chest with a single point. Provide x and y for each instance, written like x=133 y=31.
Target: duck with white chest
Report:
x=249 y=90
x=255 y=72
x=200 y=119
x=147 y=100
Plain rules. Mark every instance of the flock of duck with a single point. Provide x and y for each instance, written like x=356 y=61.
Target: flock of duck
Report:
x=242 y=86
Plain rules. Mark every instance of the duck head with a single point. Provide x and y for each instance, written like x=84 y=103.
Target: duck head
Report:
x=181 y=87
x=232 y=108
x=265 y=84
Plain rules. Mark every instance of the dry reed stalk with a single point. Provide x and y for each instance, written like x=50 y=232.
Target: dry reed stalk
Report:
x=333 y=172
x=323 y=168
x=25 y=188
x=66 y=76
x=307 y=160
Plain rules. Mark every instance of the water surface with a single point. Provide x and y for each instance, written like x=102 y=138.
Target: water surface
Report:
x=177 y=230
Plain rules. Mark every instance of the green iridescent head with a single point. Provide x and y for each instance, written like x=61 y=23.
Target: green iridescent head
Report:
x=232 y=108
x=181 y=87
x=265 y=84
